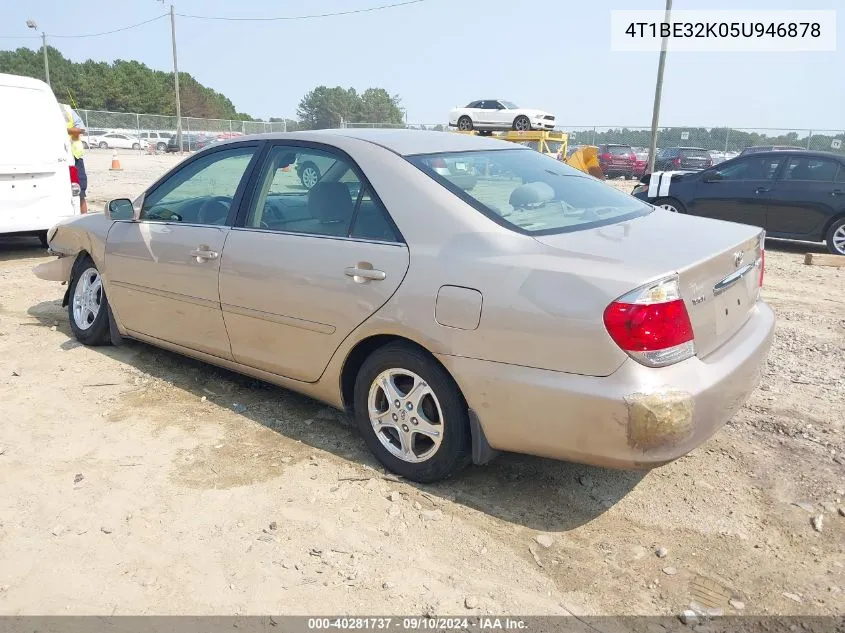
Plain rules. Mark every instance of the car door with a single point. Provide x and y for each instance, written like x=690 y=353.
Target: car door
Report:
x=805 y=197
x=302 y=269
x=162 y=269
x=738 y=191
x=500 y=115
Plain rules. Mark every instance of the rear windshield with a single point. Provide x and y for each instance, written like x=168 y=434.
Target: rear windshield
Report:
x=532 y=193
x=695 y=153
x=618 y=150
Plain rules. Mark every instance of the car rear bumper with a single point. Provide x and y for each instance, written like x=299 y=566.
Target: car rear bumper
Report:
x=638 y=417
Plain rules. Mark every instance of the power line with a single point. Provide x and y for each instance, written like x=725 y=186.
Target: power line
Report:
x=302 y=17
x=123 y=28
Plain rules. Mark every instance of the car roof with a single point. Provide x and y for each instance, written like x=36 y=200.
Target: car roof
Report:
x=803 y=153
x=400 y=141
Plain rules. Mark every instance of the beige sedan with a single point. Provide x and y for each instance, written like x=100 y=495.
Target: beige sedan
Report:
x=538 y=311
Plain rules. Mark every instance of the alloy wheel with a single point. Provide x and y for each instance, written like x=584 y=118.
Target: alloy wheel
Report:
x=87 y=298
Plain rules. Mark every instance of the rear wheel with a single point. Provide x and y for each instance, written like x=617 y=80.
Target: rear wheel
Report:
x=836 y=237
x=522 y=123
x=161 y=146
x=88 y=306
x=136 y=146
x=465 y=123
x=411 y=414
x=103 y=145
x=670 y=204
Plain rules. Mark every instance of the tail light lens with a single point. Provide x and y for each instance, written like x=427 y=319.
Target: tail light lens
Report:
x=651 y=324
x=605 y=156
x=74 y=180
x=677 y=162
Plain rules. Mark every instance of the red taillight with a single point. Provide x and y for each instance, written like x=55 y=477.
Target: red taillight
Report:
x=651 y=324
x=677 y=162
x=74 y=180
x=605 y=156
x=438 y=163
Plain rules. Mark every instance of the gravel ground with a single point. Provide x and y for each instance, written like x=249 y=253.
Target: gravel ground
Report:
x=132 y=484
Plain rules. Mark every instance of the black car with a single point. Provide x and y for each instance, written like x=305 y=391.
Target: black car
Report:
x=796 y=195
x=190 y=142
x=756 y=149
x=683 y=158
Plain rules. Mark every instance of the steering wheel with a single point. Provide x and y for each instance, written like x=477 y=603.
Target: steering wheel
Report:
x=224 y=199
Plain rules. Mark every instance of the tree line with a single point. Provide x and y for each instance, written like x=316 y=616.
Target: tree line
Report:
x=130 y=86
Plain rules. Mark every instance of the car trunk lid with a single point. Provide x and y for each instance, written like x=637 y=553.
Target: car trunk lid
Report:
x=718 y=271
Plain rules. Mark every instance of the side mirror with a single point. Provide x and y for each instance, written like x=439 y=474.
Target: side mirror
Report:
x=120 y=209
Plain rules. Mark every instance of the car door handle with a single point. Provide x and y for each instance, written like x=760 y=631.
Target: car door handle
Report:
x=837 y=192
x=360 y=275
x=204 y=254
x=761 y=190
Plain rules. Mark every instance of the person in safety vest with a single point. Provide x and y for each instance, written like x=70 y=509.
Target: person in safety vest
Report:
x=75 y=127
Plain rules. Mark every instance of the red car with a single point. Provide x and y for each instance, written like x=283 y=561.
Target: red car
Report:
x=617 y=160
x=640 y=161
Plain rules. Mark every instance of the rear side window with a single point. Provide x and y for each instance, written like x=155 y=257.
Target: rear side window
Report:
x=815 y=169
x=695 y=153
x=530 y=192
x=751 y=168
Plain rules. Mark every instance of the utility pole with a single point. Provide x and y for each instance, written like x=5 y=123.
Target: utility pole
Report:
x=34 y=26
x=658 y=93
x=176 y=80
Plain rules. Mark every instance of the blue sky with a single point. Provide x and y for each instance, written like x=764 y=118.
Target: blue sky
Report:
x=551 y=54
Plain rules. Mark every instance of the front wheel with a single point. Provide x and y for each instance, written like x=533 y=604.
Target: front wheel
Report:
x=103 y=145
x=522 y=123
x=411 y=414
x=88 y=306
x=465 y=123
x=836 y=237
x=136 y=146
x=670 y=204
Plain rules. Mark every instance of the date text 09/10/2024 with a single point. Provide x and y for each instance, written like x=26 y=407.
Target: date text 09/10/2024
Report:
x=417 y=624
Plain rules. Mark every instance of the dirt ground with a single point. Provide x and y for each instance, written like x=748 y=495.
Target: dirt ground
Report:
x=135 y=481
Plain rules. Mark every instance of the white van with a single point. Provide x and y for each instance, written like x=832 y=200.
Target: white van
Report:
x=38 y=181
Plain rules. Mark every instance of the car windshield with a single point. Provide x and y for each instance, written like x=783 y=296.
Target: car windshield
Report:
x=618 y=150
x=509 y=105
x=533 y=193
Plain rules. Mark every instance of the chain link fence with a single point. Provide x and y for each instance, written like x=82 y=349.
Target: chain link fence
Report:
x=722 y=142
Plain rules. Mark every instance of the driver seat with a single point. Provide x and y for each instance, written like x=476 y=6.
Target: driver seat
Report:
x=213 y=212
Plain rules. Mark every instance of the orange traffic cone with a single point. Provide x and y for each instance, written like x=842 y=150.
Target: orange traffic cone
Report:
x=115 y=163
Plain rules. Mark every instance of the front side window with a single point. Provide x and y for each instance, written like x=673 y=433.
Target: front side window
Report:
x=509 y=105
x=751 y=169
x=815 y=169
x=533 y=193
x=312 y=191
x=202 y=191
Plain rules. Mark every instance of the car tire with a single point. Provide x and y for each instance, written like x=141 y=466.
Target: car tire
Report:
x=161 y=147
x=87 y=304
x=103 y=145
x=136 y=146
x=671 y=204
x=522 y=123
x=400 y=444
x=465 y=123
x=42 y=237
x=84 y=145
x=309 y=175
x=836 y=237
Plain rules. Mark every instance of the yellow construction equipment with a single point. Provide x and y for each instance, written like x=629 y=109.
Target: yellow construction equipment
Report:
x=552 y=143
x=586 y=159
